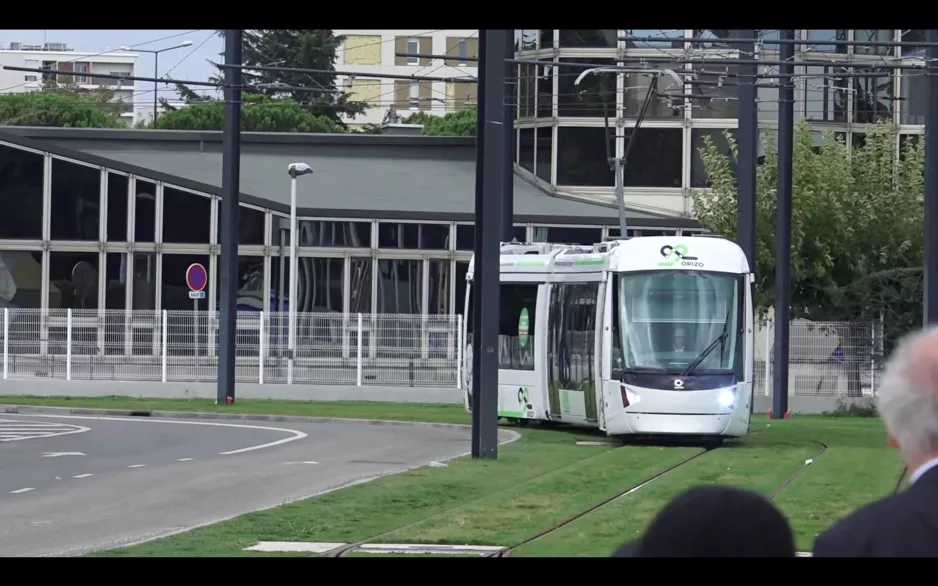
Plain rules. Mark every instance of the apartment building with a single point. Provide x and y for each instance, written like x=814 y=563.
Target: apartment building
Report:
x=58 y=56
x=373 y=51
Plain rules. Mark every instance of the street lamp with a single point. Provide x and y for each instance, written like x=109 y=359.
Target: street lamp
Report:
x=295 y=170
x=156 y=67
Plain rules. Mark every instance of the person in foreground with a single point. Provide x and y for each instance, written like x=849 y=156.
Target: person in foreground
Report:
x=715 y=521
x=903 y=524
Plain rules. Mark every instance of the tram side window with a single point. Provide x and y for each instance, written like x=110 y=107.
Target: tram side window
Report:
x=573 y=334
x=517 y=316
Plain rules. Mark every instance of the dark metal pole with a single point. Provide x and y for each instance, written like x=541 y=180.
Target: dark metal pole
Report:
x=786 y=141
x=231 y=175
x=496 y=163
x=476 y=316
x=931 y=183
x=508 y=203
x=747 y=138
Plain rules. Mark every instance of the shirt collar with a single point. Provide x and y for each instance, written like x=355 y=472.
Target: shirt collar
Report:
x=921 y=470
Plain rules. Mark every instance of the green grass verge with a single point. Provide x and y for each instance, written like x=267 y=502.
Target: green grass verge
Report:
x=345 y=409
x=857 y=468
x=514 y=515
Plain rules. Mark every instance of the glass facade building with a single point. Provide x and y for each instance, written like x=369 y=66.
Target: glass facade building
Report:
x=87 y=235
x=561 y=139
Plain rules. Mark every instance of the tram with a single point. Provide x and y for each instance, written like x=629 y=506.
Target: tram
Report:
x=645 y=336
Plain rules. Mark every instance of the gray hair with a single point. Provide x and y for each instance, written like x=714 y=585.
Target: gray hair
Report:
x=909 y=410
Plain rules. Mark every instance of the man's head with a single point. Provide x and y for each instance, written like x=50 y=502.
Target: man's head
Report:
x=908 y=397
x=715 y=521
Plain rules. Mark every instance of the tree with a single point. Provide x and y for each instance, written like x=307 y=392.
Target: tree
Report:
x=460 y=123
x=61 y=108
x=259 y=113
x=857 y=227
x=298 y=49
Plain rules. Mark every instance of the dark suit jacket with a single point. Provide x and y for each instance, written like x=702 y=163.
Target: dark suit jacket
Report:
x=899 y=525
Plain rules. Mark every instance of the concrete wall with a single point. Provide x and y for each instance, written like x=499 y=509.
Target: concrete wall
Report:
x=158 y=390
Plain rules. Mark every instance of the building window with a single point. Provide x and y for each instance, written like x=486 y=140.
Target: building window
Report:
x=49 y=65
x=413 y=47
x=82 y=68
x=29 y=78
x=414 y=98
x=463 y=51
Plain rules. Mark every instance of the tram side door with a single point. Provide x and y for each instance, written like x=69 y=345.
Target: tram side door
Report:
x=554 y=323
x=599 y=353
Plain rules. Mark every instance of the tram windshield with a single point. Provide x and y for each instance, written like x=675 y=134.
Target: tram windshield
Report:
x=669 y=319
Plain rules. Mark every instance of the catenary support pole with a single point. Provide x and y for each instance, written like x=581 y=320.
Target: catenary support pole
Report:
x=931 y=182
x=494 y=156
x=231 y=174
x=747 y=138
x=476 y=315
x=786 y=133
x=511 y=95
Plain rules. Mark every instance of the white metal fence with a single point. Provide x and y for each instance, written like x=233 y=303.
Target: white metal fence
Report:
x=825 y=358
x=833 y=359
x=182 y=346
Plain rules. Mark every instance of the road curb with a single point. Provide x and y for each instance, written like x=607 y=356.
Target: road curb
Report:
x=27 y=409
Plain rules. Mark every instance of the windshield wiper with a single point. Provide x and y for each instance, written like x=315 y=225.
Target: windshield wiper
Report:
x=703 y=355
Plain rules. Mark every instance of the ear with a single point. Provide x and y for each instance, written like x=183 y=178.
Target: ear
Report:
x=893 y=443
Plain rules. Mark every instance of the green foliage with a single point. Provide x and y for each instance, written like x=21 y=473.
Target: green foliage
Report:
x=298 y=49
x=259 y=113
x=461 y=123
x=59 y=108
x=857 y=227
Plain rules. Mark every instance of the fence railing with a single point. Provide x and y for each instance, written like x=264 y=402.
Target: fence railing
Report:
x=182 y=346
x=830 y=359
x=825 y=358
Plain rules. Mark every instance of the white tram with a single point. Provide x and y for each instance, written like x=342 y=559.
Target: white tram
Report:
x=640 y=336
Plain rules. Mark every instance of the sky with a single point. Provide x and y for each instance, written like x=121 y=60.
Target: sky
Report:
x=184 y=63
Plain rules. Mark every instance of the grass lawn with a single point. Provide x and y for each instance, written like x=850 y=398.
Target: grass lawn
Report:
x=346 y=409
x=856 y=469
x=537 y=482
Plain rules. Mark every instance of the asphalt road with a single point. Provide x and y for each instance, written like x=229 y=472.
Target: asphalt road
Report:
x=74 y=484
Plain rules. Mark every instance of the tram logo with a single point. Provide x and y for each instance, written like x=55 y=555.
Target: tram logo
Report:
x=523 y=398
x=678 y=256
x=678 y=384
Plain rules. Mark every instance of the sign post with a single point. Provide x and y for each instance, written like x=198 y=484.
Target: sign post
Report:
x=196 y=279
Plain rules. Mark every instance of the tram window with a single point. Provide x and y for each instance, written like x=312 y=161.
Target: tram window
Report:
x=517 y=316
x=573 y=334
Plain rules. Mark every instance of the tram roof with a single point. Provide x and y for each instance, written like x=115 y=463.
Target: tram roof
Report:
x=711 y=253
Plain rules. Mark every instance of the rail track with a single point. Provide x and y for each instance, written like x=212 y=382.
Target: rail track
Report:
x=627 y=491
x=635 y=488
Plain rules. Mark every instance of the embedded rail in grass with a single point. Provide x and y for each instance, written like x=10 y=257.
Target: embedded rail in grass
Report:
x=630 y=490
x=636 y=487
x=348 y=548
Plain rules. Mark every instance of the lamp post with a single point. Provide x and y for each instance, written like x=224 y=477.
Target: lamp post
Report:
x=295 y=170
x=156 y=67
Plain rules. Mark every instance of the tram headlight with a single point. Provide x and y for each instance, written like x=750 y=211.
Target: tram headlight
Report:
x=726 y=398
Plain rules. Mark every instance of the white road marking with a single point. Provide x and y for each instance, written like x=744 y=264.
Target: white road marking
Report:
x=21 y=490
x=184 y=460
x=83 y=476
x=302 y=462
x=60 y=454
x=296 y=434
x=12 y=430
x=293 y=546
x=136 y=465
